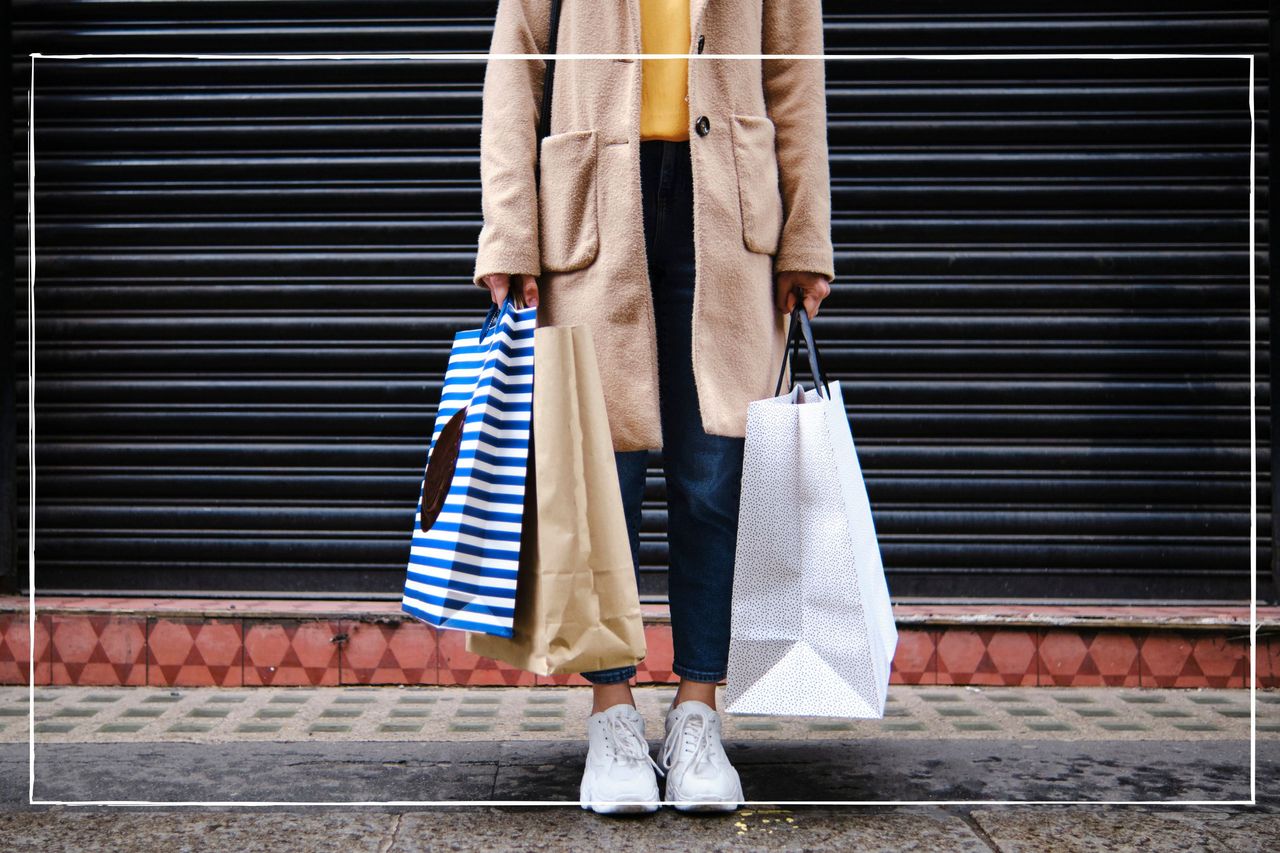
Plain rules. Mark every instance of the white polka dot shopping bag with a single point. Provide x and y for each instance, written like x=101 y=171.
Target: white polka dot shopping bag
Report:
x=812 y=632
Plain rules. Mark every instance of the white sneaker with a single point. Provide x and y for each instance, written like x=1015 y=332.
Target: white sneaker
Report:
x=699 y=775
x=620 y=774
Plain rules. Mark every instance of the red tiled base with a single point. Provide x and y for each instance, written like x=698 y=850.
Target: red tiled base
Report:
x=389 y=653
x=15 y=648
x=291 y=654
x=203 y=642
x=99 y=650
x=195 y=653
x=987 y=656
x=459 y=666
x=915 y=661
x=1175 y=660
x=1085 y=658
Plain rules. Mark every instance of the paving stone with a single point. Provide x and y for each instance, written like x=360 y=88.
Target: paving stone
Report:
x=1169 y=713
x=258 y=727
x=229 y=699
x=208 y=712
x=400 y=727
x=481 y=700
x=958 y=712
x=477 y=712
x=967 y=726
x=530 y=726
x=329 y=727
x=54 y=727
x=144 y=712
x=1096 y=712
x=342 y=712
x=1048 y=726
x=544 y=712
x=288 y=699
x=470 y=727
x=75 y=712
x=1027 y=712
x=353 y=700
x=120 y=728
x=13 y=712
x=101 y=697
x=1142 y=699
x=410 y=712
x=421 y=700
x=192 y=728
x=1122 y=727
x=276 y=713
x=1073 y=699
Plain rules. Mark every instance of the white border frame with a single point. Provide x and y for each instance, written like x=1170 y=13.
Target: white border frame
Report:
x=485 y=56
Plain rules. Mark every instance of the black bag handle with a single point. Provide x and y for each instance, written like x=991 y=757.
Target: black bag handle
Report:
x=800 y=323
x=548 y=83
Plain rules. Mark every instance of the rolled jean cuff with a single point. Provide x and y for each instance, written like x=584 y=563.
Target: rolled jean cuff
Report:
x=685 y=672
x=611 y=676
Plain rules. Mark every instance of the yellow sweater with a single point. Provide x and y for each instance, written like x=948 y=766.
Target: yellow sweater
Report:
x=664 y=88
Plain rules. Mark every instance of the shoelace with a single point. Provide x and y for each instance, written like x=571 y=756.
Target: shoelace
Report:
x=628 y=741
x=686 y=738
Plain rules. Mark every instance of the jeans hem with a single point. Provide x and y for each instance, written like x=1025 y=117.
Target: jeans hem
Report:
x=611 y=676
x=685 y=672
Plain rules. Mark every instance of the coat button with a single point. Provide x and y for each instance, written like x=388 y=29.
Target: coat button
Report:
x=701 y=41
x=702 y=125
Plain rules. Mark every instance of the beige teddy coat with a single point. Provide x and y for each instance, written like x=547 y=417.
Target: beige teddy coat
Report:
x=761 y=192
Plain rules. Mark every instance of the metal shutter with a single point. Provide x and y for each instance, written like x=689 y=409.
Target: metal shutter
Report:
x=249 y=271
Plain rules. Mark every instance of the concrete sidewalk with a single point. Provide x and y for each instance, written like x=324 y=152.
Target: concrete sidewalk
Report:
x=407 y=745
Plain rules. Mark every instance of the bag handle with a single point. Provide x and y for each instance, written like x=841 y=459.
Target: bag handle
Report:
x=800 y=323
x=548 y=83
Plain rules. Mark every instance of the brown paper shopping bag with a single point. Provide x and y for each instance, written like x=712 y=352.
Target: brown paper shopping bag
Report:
x=577 y=606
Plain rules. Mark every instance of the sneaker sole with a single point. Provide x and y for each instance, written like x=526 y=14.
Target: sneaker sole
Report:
x=712 y=806
x=619 y=807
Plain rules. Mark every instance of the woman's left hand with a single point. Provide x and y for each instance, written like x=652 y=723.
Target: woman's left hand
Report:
x=811 y=286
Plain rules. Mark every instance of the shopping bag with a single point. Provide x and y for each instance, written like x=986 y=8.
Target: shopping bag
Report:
x=465 y=546
x=577 y=605
x=812 y=631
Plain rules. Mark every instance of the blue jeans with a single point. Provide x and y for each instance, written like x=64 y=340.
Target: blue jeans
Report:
x=703 y=472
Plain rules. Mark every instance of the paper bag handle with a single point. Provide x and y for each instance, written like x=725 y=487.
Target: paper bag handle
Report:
x=800 y=323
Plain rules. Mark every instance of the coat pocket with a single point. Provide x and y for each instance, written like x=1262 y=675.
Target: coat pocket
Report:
x=569 y=234
x=759 y=194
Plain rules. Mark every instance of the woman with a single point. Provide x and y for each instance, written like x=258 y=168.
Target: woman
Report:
x=684 y=207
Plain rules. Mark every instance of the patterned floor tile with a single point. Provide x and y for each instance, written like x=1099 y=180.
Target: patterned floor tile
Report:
x=915 y=659
x=1087 y=658
x=987 y=656
x=194 y=652
x=1170 y=659
x=95 y=649
x=15 y=648
x=389 y=653
x=461 y=667
x=293 y=653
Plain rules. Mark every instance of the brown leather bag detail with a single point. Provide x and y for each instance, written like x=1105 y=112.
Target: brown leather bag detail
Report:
x=440 y=468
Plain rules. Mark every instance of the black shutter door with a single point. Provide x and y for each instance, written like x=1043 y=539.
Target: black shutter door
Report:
x=249 y=271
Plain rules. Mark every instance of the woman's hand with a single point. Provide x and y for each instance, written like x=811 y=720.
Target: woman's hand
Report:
x=499 y=284
x=811 y=286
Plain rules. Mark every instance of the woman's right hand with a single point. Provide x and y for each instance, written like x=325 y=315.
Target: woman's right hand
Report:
x=500 y=284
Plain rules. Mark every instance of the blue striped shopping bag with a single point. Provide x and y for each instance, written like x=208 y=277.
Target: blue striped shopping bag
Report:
x=466 y=535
